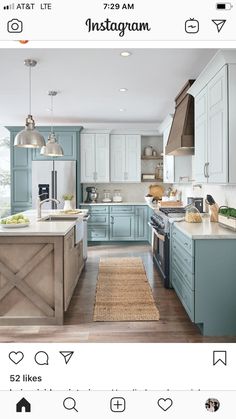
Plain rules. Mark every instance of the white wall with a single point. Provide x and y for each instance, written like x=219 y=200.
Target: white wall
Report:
x=223 y=195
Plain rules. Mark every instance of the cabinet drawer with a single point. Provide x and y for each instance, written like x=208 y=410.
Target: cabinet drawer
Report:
x=99 y=209
x=181 y=255
x=98 y=219
x=98 y=233
x=127 y=209
x=184 y=240
x=186 y=275
x=185 y=294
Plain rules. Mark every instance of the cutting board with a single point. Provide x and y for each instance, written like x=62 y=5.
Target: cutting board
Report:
x=170 y=204
x=156 y=191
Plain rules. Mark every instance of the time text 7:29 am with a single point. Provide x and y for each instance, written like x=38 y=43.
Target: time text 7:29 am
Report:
x=118 y=6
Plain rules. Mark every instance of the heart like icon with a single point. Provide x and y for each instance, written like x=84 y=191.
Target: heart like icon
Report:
x=16 y=357
x=165 y=404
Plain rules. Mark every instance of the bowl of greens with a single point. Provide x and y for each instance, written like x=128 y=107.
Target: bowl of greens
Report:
x=227 y=217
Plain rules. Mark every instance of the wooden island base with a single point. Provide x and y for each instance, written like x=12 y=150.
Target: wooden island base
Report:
x=38 y=275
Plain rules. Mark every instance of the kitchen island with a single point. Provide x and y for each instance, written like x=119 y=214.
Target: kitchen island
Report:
x=39 y=268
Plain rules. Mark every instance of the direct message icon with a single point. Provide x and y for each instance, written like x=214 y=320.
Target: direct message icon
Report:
x=219 y=357
x=165 y=404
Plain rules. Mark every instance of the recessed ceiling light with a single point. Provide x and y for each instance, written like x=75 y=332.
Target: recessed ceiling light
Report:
x=125 y=54
x=123 y=89
x=122 y=110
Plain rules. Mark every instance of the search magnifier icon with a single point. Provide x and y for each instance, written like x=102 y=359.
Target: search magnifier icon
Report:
x=70 y=404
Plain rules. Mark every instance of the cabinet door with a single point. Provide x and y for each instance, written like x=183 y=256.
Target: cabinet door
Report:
x=87 y=158
x=117 y=158
x=121 y=227
x=141 y=223
x=133 y=158
x=168 y=161
x=68 y=141
x=201 y=136
x=21 y=192
x=102 y=158
x=218 y=128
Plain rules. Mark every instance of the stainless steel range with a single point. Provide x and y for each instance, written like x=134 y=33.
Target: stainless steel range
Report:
x=160 y=223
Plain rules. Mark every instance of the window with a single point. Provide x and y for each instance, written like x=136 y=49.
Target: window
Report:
x=5 y=173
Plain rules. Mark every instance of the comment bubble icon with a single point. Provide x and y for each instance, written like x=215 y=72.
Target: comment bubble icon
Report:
x=41 y=358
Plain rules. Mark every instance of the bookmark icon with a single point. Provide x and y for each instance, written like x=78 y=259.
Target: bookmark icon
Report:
x=67 y=355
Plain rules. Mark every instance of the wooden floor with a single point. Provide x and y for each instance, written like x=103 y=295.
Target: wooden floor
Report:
x=174 y=324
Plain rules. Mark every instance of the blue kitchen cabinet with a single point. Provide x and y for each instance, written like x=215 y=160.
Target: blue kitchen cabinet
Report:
x=149 y=234
x=21 y=164
x=98 y=223
x=117 y=222
x=204 y=284
x=68 y=138
x=122 y=223
x=98 y=233
x=21 y=197
x=141 y=223
x=122 y=227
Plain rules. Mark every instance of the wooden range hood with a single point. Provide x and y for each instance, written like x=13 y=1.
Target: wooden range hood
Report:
x=181 y=138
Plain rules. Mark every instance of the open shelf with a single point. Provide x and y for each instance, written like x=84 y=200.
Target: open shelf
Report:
x=151 y=158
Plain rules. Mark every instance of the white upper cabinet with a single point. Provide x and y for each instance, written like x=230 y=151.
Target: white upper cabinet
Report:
x=200 y=158
x=133 y=158
x=217 y=161
x=94 y=158
x=118 y=163
x=125 y=158
x=211 y=131
x=215 y=123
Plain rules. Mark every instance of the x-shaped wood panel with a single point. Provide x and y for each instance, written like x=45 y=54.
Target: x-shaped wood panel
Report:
x=16 y=280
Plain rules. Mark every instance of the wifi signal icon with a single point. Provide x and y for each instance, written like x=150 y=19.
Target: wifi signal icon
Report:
x=9 y=7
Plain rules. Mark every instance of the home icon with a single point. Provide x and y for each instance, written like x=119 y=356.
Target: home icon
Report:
x=23 y=406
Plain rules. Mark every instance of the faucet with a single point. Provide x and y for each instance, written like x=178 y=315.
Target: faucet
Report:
x=40 y=203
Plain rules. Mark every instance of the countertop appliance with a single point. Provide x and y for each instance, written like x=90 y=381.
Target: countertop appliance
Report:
x=92 y=194
x=197 y=202
x=53 y=179
x=160 y=223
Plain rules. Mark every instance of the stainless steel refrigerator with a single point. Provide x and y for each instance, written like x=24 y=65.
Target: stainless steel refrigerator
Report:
x=53 y=179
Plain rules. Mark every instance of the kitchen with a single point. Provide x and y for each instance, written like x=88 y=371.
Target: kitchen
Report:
x=149 y=127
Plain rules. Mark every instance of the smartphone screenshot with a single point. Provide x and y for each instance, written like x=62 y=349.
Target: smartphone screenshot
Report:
x=117 y=209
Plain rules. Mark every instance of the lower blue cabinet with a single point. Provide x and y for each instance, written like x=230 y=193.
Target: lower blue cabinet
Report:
x=117 y=223
x=141 y=223
x=98 y=233
x=122 y=227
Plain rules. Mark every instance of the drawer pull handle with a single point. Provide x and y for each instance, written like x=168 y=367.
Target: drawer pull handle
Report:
x=186 y=244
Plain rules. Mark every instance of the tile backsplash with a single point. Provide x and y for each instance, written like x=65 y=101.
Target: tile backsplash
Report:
x=223 y=194
x=135 y=192
x=131 y=192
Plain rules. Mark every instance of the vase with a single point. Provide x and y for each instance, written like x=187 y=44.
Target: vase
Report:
x=67 y=205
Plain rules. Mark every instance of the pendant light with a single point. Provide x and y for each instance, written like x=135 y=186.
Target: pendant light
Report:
x=29 y=137
x=52 y=148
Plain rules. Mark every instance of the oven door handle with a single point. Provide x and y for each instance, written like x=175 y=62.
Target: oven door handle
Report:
x=160 y=236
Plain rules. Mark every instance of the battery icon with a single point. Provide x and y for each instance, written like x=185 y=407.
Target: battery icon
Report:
x=224 y=6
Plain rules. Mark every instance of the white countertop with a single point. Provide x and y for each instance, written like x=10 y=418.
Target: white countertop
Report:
x=44 y=228
x=114 y=203
x=205 y=230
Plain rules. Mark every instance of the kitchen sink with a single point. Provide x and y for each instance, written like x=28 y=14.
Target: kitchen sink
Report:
x=53 y=218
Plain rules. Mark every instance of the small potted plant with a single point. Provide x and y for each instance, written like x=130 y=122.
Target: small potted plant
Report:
x=67 y=202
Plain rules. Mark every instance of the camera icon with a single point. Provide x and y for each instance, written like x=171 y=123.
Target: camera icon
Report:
x=15 y=26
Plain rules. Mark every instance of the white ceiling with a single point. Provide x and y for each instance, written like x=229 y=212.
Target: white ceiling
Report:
x=89 y=81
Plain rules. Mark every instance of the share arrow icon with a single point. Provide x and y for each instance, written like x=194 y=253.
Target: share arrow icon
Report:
x=219 y=23
x=67 y=355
